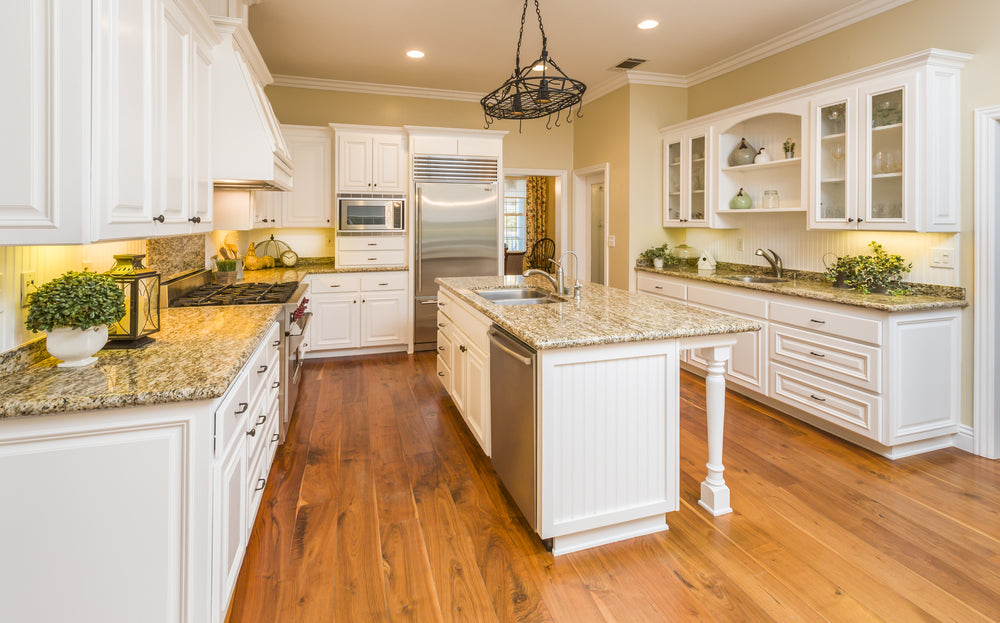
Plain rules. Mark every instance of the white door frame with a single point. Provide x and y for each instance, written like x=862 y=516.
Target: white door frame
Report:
x=986 y=308
x=581 y=225
x=561 y=200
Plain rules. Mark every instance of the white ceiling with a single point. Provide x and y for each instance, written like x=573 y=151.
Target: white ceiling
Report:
x=470 y=44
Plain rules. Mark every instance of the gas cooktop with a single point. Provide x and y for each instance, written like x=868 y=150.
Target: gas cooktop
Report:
x=237 y=294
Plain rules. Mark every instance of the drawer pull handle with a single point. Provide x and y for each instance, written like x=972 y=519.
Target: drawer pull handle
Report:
x=441 y=324
x=441 y=348
x=336 y=285
x=276 y=343
x=372 y=244
x=440 y=373
x=372 y=259
x=819 y=398
x=276 y=385
x=440 y=303
x=260 y=484
x=817 y=321
x=384 y=284
x=658 y=287
x=252 y=432
x=815 y=354
x=262 y=369
x=275 y=437
x=462 y=348
x=261 y=419
x=243 y=408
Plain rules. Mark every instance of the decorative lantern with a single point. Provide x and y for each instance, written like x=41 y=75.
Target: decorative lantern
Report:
x=142 y=303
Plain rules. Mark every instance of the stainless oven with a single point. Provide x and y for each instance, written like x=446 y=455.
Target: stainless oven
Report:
x=296 y=323
x=371 y=215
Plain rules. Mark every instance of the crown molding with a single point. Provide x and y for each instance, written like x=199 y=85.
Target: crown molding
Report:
x=852 y=14
x=323 y=84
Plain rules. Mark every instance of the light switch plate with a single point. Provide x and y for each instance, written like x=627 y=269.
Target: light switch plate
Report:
x=611 y=241
x=739 y=245
x=942 y=257
x=27 y=285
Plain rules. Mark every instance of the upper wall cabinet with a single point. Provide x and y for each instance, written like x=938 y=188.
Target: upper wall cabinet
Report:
x=875 y=149
x=106 y=125
x=310 y=202
x=370 y=160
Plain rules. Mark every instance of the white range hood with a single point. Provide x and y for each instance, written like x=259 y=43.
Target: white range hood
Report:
x=248 y=150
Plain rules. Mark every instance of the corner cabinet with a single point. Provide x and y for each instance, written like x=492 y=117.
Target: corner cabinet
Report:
x=113 y=121
x=885 y=151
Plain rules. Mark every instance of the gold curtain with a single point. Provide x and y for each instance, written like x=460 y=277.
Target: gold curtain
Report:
x=535 y=209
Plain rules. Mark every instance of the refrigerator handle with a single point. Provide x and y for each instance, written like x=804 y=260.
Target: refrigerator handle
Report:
x=417 y=241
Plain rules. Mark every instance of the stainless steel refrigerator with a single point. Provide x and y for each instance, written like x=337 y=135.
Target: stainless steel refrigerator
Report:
x=457 y=235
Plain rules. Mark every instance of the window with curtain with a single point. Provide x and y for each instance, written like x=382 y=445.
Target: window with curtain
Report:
x=515 y=231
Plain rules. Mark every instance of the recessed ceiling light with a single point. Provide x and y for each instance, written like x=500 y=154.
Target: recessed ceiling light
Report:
x=415 y=54
x=646 y=24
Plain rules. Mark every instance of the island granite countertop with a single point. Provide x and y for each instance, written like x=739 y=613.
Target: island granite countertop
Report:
x=197 y=354
x=811 y=286
x=603 y=315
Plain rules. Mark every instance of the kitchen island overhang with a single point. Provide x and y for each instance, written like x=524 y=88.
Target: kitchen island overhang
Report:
x=607 y=379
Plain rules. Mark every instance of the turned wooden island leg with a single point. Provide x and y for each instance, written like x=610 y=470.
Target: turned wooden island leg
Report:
x=714 y=492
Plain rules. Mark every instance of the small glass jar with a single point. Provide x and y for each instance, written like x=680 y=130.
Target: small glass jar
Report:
x=770 y=200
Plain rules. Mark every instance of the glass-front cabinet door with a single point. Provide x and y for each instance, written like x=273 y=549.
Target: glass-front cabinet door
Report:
x=834 y=200
x=886 y=193
x=697 y=180
x=671 y=181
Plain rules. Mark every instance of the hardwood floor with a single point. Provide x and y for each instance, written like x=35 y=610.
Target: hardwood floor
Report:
x=381 y=507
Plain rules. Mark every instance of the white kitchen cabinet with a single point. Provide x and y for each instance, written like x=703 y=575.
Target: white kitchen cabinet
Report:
x=885 y=150
x=231 y=525
x=687 y=178
x=108 y=111
x=887 y=381
x=370 y=160
x=464 y=354
x=267 y=208
x=310 y=202
x=363 y=250
x=358 y=311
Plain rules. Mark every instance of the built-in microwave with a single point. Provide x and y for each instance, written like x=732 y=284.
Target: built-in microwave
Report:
x=371 y=215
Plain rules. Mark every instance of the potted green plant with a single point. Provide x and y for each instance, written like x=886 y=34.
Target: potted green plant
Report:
x=660 y=256
x=226 y=271
x=74 y=311
x=880 y=272
x=842 y=270
x=789 y=147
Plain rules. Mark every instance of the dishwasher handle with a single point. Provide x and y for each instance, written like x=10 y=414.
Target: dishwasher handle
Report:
x=494 y=334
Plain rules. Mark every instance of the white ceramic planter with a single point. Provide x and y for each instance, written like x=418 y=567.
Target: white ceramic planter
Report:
x=76 y=347
x=657 y=262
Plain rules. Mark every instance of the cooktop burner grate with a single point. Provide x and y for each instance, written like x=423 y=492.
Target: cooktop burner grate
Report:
x=238 y=294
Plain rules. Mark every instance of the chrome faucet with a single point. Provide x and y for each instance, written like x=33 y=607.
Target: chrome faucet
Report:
x=577 y=286
x=773 y=259
x=557 y=284
x=557 y=281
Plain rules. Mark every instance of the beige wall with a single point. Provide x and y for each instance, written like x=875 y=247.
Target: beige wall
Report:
x=962 y=25
x=600 y=136
x=534 y=147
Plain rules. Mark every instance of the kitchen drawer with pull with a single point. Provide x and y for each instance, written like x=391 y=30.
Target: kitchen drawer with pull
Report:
x=832 y=323
x=722 y=298
x=844 y=406
x=384 y=281
x=231 y=416
x=661 y=287
x=260 y=420
x=257 y=472
x=368 y=243
x=850 y=362
x=445 y=348
x=372 y=258
x=335 y=283
x=444 y=374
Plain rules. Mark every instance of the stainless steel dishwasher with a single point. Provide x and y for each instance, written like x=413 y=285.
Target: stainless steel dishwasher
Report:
x=512 y=418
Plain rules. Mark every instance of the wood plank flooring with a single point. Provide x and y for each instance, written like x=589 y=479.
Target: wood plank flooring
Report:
x=381 y=507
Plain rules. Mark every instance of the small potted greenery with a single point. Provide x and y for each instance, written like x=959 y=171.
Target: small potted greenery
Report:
x=789 y=147
x=226 y=271
x=74 y=311
x=842 y=270
x=879 y=273
x=660 y=256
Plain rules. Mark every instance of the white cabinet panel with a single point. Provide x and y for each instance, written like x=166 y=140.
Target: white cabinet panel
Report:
x=201 y=150
x=389 y=166
x=231 y=523
x=477 y=411
x=370 y=159
x=175 y=130
x=354 y=162
x=336 y=321
x=310 y=202
x=383 y=318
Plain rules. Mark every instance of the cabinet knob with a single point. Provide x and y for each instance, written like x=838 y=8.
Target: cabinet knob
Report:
x=160 y=218
x=195 y=219
x=272 y=220
x=462 y=348
x=850 y=220
x=252 y=432
x=860 y=220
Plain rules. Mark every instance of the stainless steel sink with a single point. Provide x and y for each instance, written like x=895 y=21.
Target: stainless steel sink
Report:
x=755 y=279
x=518 y=296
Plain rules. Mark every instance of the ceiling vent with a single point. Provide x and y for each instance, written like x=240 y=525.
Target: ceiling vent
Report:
x=630 y=63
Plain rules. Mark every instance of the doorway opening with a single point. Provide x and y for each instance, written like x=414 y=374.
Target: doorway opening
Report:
x=535 y=209
x=590 y=222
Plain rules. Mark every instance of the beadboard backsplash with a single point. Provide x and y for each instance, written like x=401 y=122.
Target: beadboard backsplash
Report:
x=804 y=249
x=47 y=262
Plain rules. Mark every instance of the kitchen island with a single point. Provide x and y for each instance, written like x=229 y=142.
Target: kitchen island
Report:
x=607 y=401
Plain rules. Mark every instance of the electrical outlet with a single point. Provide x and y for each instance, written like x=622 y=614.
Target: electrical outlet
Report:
x=27 y=285
x=942 y=257
x=611 y=241
x=739 y=245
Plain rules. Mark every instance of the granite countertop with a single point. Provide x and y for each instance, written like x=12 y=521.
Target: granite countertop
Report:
x=197 y=354
x=311 y=266
x=809 y=285
x=603 y=315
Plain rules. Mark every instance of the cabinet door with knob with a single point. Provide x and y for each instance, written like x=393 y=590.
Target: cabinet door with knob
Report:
x=336 y=320
x=370 y=161
x=310 y=203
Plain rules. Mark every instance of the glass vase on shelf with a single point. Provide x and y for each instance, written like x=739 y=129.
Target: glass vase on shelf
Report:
x=770 y=200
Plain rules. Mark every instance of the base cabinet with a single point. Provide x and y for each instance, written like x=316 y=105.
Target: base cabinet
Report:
x=887 y=381
x=463 y=358
x=358 y=311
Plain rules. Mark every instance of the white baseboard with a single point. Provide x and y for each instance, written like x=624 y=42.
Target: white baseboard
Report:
x=964 y=439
